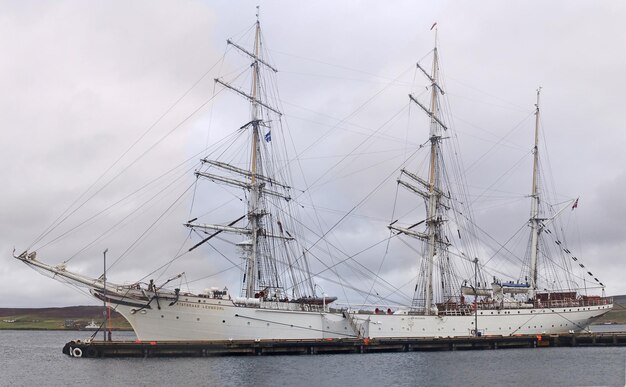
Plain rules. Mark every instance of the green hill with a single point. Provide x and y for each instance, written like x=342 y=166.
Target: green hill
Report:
x=618 y=314
x=67 y=318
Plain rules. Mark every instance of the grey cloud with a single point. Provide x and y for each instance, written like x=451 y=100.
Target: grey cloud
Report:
x=83 y=80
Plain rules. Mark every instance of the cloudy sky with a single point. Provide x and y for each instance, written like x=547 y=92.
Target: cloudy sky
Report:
x=84 y=81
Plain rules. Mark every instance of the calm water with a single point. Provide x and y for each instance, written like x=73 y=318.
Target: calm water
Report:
x=31 y=358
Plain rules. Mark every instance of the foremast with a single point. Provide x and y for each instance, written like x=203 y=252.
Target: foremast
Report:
x=270 y=261
x=535 y=221
x=433 y=222
x=255 y=210
x=431 y=192
x=254 y=215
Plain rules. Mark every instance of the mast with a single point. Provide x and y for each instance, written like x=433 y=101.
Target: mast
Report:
x=534 y=207
x=261 y=236
x=433 y=181
x=254 y=215
x=430 y=190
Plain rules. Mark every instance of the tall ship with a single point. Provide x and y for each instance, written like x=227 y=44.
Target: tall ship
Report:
x=278 y=298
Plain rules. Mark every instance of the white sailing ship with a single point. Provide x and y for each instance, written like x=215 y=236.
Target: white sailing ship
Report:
x=278 y=298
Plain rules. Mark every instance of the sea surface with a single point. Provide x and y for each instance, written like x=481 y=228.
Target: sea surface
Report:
x=34 y=358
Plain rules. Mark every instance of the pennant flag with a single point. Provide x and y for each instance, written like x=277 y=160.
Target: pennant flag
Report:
x=431 y=28
x=268 y=136
x=575 y=205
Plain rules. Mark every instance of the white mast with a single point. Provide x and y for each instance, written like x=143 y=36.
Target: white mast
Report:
x=255 y=189
x=534 y=208
x=433 y=223
x=255 y=182
x=433 y=193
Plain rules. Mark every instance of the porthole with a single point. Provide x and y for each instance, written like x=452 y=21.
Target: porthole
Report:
x=162 y=316
x=177 y=317
x=198 y=319
x=223 y=321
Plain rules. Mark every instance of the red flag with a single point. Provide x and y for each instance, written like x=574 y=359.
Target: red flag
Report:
x=575 y=205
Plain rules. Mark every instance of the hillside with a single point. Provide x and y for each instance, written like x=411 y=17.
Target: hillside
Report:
x=70 y=318
x=618 y=314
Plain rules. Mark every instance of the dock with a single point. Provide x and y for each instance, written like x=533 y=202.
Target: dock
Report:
x=145 y=349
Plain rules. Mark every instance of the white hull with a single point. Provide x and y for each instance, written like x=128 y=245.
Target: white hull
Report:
x=211 y=319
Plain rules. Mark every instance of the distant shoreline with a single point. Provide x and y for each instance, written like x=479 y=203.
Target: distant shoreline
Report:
x=4 y=328
x=70 y=318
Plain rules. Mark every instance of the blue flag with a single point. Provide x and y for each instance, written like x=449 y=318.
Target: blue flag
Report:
x=268 y=136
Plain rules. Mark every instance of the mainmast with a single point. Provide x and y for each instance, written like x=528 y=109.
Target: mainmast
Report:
x=534 y=207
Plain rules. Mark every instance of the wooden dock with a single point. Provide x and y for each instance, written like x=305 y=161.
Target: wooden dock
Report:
x=97 y=349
